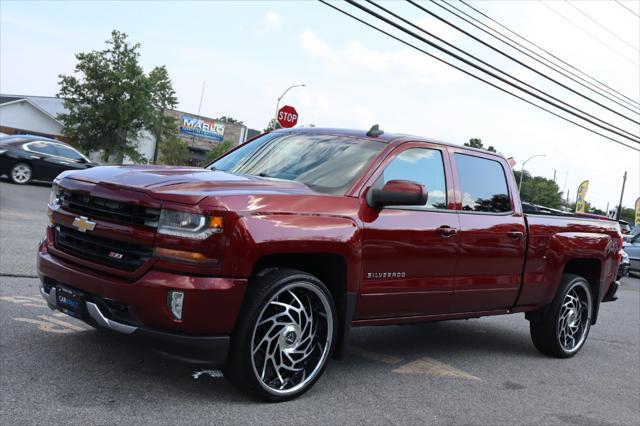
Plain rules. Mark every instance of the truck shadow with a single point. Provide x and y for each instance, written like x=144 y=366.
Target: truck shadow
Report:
x=117 y=372
x=443 y=338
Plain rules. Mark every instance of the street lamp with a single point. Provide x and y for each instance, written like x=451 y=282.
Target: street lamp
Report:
x=522 y=171
x=282 y=96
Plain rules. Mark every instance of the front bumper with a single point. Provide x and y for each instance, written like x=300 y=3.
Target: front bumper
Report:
x=139 y=308
x=212 y=349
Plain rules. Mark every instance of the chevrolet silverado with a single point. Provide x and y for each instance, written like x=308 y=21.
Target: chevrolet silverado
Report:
x=264 y=260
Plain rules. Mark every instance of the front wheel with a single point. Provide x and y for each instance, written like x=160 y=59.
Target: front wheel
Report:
x=284 y=337
x=563 y=329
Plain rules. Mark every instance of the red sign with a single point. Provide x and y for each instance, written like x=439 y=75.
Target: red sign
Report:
x=287 y=116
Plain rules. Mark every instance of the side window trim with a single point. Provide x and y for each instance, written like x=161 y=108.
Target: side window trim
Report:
x=458 y=189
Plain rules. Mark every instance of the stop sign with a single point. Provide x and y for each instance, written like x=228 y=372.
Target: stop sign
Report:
x=287 y=116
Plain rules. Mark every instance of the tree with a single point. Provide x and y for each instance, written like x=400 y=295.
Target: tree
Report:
x=477 y=143
x=174 y=151
x=218 y=149
x=627 y=214
x=273 y=125
x=229 y=120
x=539 y=190
x=110 y=100
x=162 y=98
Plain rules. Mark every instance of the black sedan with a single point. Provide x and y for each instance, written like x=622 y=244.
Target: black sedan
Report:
x=24 y=158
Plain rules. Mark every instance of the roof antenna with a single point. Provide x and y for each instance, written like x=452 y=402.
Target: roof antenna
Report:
x=375 y=131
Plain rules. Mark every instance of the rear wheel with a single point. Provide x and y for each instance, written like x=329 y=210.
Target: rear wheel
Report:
x=563 y=328
x=285 y=335
x=21 y=173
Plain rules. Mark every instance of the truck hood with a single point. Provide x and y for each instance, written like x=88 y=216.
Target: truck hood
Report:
x=184 y=184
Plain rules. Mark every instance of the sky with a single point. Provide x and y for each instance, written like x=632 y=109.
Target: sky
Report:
x=247 y=53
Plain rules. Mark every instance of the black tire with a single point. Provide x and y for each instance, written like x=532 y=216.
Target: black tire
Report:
x=243 y=363
x=21 y=173
x=551 y=329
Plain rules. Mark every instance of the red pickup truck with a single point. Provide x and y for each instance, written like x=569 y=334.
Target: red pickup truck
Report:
x=262 y=261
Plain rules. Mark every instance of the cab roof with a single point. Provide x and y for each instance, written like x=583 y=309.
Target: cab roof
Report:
x=389 y=138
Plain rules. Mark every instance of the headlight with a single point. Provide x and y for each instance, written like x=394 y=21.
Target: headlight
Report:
x=189 y=225
x=54 y=195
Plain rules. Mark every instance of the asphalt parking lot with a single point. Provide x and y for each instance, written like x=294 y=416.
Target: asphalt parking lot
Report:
x=55 y=369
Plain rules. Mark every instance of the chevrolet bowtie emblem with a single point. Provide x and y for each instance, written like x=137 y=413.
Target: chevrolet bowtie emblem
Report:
x=83 y=224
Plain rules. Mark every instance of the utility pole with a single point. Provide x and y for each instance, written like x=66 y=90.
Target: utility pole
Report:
x=624 y=180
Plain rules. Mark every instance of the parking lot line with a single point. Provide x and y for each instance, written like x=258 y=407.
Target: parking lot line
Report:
x=433 y=367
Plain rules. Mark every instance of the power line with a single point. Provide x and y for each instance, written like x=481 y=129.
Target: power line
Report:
x=587 y=33
x=471 y=74
x=622 y=4
x=518 y=61
x=549 y=64
x=633 y=137
x=546 y=51
x=601 y=26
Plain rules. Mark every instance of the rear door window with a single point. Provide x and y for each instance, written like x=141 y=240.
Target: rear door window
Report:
x=483 y=184
x=67 y=152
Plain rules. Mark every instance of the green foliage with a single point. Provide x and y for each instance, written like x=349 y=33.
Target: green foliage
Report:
x=477 y=143
x=229 y=120
x=218 y=149
x=174 y=151
x=539 y=190
x=589 y=208
x=628 y=214
x=162 y=97
x=111 y=100
x=273 y=125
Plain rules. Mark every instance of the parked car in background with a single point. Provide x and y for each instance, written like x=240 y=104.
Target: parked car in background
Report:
x=25 y=158
x=634 y=231
x=625 y=228
x=623 y=268
x=632 y=248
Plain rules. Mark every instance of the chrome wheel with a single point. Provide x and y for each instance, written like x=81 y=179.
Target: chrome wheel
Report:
x=21 y=173
x=575 y=318
x=292 y=338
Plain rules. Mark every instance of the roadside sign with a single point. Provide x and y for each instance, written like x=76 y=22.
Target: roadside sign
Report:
x=287 y=116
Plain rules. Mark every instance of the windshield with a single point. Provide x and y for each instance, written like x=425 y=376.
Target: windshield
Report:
x=325 y=163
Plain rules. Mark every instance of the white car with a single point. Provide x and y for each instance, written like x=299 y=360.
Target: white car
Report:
x=632 y=248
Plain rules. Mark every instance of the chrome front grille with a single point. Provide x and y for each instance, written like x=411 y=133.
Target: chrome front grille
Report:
x=106 y=209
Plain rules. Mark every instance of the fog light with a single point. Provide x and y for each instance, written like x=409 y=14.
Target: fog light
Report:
x=174 y=300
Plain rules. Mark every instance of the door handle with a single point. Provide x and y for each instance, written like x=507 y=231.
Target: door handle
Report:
x=446 y=231
x=516 y=235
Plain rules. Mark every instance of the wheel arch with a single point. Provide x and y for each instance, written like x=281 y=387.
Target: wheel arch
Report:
x=332 y=270
x=591 y=270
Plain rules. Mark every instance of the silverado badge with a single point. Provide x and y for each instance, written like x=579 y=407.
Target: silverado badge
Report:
x=83 y=224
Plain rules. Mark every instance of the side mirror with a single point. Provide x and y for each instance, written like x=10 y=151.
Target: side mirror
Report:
x=397 y=193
